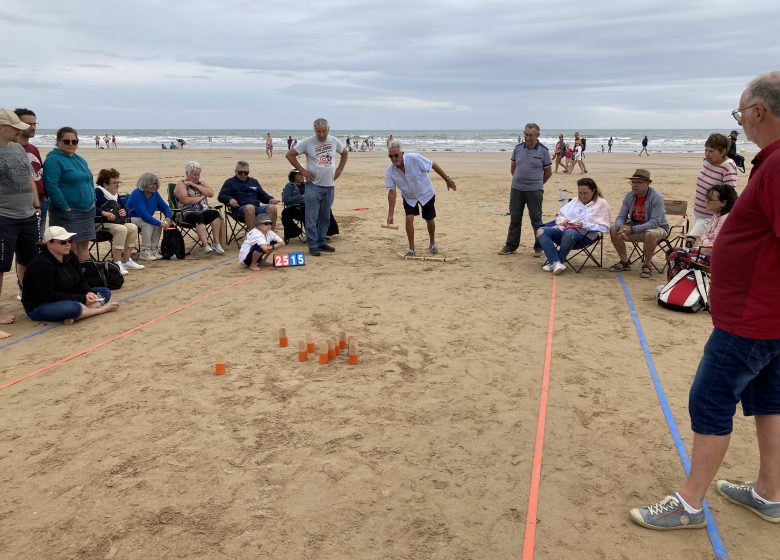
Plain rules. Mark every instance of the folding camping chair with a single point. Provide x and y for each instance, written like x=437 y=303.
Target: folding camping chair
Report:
x=186 y=228
x=235 y=230
x=586 y=250
x=102 y=235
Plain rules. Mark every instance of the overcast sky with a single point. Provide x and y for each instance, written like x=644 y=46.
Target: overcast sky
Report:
x=384 y=65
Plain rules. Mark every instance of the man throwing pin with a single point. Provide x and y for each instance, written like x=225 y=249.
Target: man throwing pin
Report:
x=409 y=174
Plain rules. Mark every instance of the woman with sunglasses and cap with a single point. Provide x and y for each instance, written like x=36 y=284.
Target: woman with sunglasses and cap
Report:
x=54 y=288
x=68 y=182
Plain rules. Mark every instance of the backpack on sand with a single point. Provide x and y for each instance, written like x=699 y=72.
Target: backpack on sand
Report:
x=172 y=246
x=688 y=291
x=102 y=274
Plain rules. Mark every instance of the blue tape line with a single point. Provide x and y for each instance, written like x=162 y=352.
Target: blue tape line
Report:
x=712 y=528
x=128 y=298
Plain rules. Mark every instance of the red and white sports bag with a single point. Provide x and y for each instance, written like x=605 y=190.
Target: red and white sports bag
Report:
x=688 y=291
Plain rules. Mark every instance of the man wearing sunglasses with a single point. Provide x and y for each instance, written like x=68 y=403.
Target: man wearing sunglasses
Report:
x=741 y=361
x=18 y=203
x=409 y=174
x=246 y=198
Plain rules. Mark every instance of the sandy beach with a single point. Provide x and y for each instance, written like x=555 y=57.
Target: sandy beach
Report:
x=134 y=449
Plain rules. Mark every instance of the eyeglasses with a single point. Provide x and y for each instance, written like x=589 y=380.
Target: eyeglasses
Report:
x=393 y=156
x=69 y=142
x=737 y=113
x=61 y=241
x=242 y=172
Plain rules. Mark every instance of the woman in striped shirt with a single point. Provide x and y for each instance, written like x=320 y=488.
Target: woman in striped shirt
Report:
x=717 y=169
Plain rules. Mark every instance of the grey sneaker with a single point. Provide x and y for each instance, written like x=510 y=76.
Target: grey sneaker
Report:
x=434 y=249
x=506 y=250
x=410 y=253
x=740 y=494
x=668 y=514
x=538 y=253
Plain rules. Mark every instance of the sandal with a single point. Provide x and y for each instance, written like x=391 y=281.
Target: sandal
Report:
x=646 y=271
x=620 y=266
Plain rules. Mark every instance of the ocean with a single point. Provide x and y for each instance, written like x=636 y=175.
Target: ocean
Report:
x=625 y=140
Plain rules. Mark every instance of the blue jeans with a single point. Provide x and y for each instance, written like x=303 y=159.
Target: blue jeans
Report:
x=64 y=309
x=567 y=240
x=734 y=369
x=318 y=201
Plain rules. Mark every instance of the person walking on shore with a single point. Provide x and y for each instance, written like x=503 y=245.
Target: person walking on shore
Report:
x=644 y=147
x=321 y=175
x=409 y=174
x=531 y=168
x=741 y=360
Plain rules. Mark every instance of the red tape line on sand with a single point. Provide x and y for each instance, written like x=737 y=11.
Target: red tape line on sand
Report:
x=111 y=339
x=536 y=469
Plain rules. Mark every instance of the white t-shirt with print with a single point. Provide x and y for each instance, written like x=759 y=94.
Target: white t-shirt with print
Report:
x=321 y=158
x=256 y=237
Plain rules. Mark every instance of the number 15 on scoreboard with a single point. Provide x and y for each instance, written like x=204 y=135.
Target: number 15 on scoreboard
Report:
x=288 y=259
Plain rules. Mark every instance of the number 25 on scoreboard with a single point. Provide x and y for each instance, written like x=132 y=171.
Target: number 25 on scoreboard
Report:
x=288 y=259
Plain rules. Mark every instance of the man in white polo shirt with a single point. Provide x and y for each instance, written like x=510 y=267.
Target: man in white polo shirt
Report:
x=409 y=174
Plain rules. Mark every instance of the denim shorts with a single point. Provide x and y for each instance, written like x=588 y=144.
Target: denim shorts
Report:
x=734 y=369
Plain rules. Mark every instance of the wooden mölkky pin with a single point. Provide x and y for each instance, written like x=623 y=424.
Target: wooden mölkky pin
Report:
x=283 y=340
x=303 y=355
x=353 y=352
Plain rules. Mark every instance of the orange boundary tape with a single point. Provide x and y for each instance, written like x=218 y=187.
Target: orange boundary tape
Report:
x=111 y=339
x=536 y=470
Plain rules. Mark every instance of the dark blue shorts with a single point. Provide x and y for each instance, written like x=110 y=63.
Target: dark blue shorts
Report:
x=734 y=369
x=428 y=209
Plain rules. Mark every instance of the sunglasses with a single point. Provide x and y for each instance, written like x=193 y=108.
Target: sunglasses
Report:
x=393 y=156
x=61 y=241
x=242 y=172
x=69 y=142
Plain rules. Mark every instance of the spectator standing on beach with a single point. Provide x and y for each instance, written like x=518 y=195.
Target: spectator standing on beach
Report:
x=69 y=184
x=113 y=141
x=97 y=141
x=106 y=141
x=531 y=168
x=18 y=204
x=320 y=175
x=389 y=139
x=289 y=142
x=716 y=169
x=28 y=117
x=644 y=147
x=409 y=174
x=741 y=360
x=269 y=145
x=609 y=145
x=560 y=150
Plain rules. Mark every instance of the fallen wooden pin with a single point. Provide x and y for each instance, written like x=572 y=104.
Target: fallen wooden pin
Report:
x=437 y=259
x=390 y=226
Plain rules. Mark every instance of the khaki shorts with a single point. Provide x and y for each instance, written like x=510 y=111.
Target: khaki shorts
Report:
x=658 y=234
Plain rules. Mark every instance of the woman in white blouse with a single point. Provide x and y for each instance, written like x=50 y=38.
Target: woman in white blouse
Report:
x=578 y=224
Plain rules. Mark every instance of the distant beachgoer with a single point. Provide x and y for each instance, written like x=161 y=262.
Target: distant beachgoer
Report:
x=577 y=161
x=163 y=146
x=349 y=144
x=106 y=140
x=172 y=146
x=389 y=139
x=609 y=145
x=294 y=143
x=558 y=154
x=321 y=175
x=732 y=153
x=113 y=141
x=644 y=147
x=289 y=142
x=269 y=145
x=531 y=168
x=181 y=143
x=97 y=141
x=409 y=174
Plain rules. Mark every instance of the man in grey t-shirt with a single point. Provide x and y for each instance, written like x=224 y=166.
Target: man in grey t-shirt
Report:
x=320 y=150
x=18 y=203
x=531 y=168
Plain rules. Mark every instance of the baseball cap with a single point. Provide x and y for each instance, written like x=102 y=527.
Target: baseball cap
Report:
x=11 y=119
x=56 y=232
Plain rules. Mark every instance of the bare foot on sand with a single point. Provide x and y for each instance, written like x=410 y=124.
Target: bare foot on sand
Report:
x=6 y=318
x=68 y=321
x=4 y=334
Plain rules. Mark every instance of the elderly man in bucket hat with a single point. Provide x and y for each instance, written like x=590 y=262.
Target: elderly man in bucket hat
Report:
x=642 y=218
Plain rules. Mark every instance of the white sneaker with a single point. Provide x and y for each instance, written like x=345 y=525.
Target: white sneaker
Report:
x=122 y=269
x=132 y=265
x=208 y=249
x=548 y=267
x=157 y=254
x=147 y=255
x=218 y=248
x=558 y=268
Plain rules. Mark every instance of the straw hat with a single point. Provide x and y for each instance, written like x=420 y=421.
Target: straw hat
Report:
x=641 y=175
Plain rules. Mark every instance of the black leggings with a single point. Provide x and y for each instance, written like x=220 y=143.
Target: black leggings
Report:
x=205 y=217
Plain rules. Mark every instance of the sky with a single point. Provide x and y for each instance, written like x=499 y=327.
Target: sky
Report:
x=368 y=65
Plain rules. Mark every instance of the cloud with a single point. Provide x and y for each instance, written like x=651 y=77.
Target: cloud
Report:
x=402 y=103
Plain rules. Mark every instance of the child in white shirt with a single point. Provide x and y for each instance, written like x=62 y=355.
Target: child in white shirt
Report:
x=259 y=243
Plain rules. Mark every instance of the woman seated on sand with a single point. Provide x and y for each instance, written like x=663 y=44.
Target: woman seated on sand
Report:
x=577 y=225
x=114 y=220
x=720 y=201
x=143 y=202
x=192 y=194
x=54 y=287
